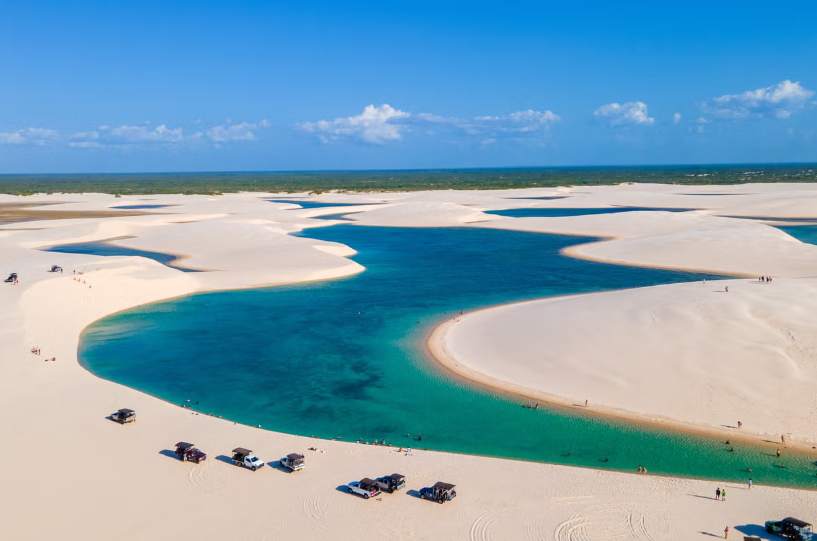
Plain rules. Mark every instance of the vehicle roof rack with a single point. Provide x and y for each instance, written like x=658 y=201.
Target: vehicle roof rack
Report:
x=796 y=522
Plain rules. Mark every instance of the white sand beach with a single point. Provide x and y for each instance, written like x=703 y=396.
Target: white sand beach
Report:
x=686 y=353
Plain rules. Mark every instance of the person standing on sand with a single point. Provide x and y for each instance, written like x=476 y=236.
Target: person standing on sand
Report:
x=750 y=484
x=718 y=493
x=723 y=495
x=726 y=533
x=740 y=424
x=585 y=403
x=783 y=439
x=727 y=289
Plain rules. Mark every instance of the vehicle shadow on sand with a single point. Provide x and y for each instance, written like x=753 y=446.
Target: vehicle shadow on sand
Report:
x=169 y=453
x=226 y=459
x=756 y=531
x=276 y=465
x=413 y=493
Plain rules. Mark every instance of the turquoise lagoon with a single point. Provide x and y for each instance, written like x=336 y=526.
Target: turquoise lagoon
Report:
x=345 y=357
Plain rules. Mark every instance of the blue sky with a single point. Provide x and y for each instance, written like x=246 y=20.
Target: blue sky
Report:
x=250 y=85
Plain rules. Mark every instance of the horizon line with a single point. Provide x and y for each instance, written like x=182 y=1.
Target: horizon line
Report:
x=423 y=169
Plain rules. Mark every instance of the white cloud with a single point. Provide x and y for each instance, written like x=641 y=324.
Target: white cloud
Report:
x=383 y=124
x=778 y=101
x=141 y=134
x=126 y=135
x=632 y=113
x=132 y=135
x=518 y=124
x=676 y=118
x=376 y=125
x=240 y=131
x=28 y=136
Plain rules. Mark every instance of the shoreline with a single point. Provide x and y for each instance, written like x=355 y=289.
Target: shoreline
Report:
x=434 y=350
x=439 y=355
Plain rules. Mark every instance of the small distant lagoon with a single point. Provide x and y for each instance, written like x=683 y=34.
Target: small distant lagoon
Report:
x=317 y=204
x=345 y=357
x=803 y=233
x=135 y=207
x=104 y=248
x=561 y=212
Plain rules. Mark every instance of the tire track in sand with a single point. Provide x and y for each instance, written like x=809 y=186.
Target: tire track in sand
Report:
x=603 y=521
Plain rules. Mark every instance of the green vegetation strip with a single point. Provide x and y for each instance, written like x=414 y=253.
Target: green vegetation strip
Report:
x=413 y=180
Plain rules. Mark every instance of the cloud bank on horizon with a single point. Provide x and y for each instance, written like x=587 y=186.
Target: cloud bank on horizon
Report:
x=480 y=140
x=382 y=124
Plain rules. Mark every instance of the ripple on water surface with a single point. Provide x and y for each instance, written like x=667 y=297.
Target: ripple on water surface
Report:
x=344 y=357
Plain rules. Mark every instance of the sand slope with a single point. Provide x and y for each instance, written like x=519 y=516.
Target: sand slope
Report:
x=748 y=355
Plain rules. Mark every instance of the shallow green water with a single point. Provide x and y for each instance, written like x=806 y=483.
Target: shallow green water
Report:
x=344 y=357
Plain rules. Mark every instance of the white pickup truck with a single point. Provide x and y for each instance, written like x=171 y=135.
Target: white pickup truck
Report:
x=244 y=457
x=365 y=487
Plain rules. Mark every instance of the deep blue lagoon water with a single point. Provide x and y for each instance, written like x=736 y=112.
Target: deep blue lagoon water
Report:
x=345 y=357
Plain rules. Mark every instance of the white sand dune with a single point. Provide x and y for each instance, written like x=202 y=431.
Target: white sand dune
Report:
x=749 y=354
x=680 y=240
x=68 y=473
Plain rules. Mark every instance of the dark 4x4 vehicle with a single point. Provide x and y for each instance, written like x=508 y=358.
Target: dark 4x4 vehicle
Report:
x=392 y=482
x=124 y=416
x=440 y=492
x=793 y=528
x=187 y=452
